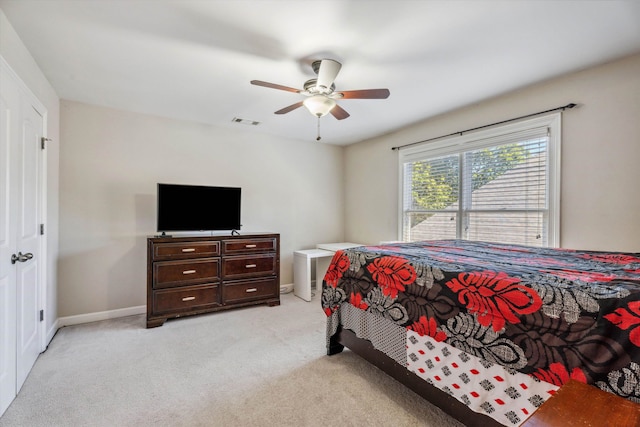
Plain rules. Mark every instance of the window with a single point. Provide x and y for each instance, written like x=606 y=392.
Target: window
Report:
x=498 y=185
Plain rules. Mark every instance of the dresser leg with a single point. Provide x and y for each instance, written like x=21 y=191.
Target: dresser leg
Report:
x=155 y=323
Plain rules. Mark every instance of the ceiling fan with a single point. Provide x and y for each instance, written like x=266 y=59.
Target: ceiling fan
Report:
x=321 y=94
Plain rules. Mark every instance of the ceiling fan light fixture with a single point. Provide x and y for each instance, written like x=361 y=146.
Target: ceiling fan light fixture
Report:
x=319 y=105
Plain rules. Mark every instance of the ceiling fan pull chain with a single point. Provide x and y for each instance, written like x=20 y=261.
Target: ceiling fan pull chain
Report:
x=318 y=138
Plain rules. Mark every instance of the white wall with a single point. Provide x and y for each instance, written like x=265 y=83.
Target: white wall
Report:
x=20 y=60
x=111 y=162
x=600 y=193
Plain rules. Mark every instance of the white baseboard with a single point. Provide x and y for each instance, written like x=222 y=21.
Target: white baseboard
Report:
x=51 y=332
x=121 y=312
x=285 y=289
x=101 y=315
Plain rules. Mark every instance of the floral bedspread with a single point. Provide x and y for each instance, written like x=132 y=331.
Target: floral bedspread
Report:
x=554 y=314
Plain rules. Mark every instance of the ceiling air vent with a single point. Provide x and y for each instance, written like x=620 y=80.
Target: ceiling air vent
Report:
x=245 y=121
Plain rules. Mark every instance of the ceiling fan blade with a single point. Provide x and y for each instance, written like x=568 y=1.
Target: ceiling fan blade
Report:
x=339 y=113
x=365 y=94
x=291 y=107
x=274 y=86
x=327 y=73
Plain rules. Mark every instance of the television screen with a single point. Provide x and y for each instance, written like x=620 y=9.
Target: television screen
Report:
x=198 y=208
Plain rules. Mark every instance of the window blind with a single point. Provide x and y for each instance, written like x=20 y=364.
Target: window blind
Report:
x=490 y=189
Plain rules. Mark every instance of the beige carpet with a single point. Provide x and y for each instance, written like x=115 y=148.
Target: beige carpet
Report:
x=260 y=366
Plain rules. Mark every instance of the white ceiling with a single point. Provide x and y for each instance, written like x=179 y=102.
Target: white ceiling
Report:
x=193 y=60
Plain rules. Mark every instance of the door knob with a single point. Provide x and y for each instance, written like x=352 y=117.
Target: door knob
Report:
x=21 y=257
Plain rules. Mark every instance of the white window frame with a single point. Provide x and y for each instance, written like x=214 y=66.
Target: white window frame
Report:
x=491 y=137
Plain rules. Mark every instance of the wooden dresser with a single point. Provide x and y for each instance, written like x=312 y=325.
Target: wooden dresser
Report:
x=194 y=275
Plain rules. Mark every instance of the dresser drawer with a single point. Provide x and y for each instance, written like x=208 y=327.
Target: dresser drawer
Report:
x=188 y=298
x=180 y=250
x=178 y=273
x=237 y=267
x=245 y=246
x=249 y=290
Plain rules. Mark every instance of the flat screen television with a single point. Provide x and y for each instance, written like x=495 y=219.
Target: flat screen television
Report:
x=198 y=208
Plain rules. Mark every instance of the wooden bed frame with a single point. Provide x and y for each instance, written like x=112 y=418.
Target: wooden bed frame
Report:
x=363 y=348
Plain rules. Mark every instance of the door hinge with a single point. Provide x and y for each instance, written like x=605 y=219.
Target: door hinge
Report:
x=41 y=315
x=42 y=229
x=43 y=140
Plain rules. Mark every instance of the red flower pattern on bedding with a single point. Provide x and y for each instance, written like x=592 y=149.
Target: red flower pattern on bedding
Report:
x=627 y=319
x=392 y=274
x=356 y=301
x=339 y=264
x=469 y=300
x=620 y=259
x=557 y=374
x=495 y=297
x=428 y=327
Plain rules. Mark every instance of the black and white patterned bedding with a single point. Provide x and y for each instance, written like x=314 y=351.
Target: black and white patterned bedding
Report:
x=545 y=315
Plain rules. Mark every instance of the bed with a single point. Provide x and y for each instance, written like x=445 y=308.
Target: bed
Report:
x=486 y=331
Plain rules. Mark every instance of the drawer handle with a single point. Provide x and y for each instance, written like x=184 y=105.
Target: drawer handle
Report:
x=251 y=266
x=250 y=246
x=188 y=298
x=252 y=290
x=188 y=272
x=188 y=250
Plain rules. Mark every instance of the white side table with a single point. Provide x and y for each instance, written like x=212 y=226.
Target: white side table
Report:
x=333 y=247
x=302 y=271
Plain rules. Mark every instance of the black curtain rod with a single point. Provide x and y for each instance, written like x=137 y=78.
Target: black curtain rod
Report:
x=460 y=133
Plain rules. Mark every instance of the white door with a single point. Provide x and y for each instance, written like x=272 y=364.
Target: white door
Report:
x=9 y=105
x=21 y=188
x=28 y=243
